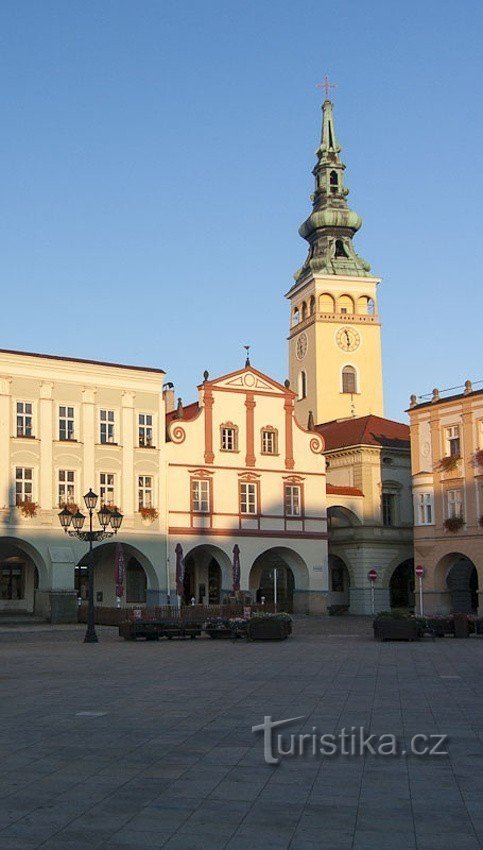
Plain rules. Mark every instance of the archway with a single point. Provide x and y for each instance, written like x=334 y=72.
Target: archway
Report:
x=22 y=570
x=340 y=517
x=140 y=575
x=291 y=573
x=339 y=581
x=401 y=585
x=462 y=583
x=207 y=575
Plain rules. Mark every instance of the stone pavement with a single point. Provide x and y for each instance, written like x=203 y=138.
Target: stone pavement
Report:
x=131 y=746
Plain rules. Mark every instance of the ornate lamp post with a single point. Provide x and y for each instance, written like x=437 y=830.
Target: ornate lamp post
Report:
x=106 y=517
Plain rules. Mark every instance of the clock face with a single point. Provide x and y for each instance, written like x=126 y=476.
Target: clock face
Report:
x=348 y=339
x=301 y=347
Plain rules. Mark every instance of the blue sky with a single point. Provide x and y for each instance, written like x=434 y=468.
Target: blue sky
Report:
x=156 y=161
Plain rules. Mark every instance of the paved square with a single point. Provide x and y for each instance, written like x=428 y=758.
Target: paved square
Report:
x=129 y=746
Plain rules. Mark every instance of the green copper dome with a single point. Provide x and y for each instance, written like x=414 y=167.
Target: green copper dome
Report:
x=331 y=225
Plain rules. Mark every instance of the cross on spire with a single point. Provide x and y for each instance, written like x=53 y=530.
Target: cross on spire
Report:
x=327 y=85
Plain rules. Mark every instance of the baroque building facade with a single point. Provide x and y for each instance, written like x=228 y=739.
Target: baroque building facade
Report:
x=306 y=482
x=447 y=468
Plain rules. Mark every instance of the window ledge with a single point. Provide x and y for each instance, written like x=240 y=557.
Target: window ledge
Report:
x=24 y=437
x=107 y=444
x=231 y=451
x=139 y=446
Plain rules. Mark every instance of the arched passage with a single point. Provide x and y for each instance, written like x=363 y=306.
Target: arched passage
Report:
x=140 y=576
x=339 y=581
x=207 y=575
x=340 y=517
x=22 y=572
x=401 y=585
x=291 y=574
x=456 y=577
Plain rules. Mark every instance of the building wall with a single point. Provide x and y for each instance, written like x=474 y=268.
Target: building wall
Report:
x=250 y=403
x=48 y=383
x=437 y=548
x=321 y=337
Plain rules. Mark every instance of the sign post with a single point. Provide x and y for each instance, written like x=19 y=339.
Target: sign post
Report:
x=275 y=588
x=372 y=576
x=420 y=573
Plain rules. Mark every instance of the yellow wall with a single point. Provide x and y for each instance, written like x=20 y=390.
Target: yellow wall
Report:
x=324 y=358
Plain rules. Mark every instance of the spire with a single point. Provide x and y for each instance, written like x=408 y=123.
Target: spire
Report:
x=331 y=225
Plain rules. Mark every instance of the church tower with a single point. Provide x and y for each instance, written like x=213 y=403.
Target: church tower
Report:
x=335 y=334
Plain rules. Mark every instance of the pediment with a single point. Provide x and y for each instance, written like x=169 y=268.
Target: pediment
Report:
x=248 y=379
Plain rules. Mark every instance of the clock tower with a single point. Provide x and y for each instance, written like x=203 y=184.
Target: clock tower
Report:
x=335 y=333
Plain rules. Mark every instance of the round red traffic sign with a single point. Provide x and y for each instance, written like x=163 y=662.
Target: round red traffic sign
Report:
x=372 y=575
x=419 y=571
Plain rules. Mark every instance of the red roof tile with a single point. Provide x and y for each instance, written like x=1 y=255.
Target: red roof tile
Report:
x=334 y=490
x=190 y=411
x=364 y=431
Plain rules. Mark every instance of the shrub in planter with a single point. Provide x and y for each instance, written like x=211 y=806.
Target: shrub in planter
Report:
x=269 y=626
x=478 y=458
x=149 y=514
x=448 y=464
x=27 y=509
x=336 y=610
x=396 y=625
x=454 y=523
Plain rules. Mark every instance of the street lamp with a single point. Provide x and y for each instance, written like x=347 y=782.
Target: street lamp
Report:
x=105 y=517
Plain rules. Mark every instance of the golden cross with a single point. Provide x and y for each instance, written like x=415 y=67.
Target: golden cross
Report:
x=327 y=85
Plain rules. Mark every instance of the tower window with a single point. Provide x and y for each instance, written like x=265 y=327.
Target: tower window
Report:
x=334 y=182
x=304 y=311
x=312 y=305
x=349 y=380
x=296 y=316
x=302 y=385
x=340 y=250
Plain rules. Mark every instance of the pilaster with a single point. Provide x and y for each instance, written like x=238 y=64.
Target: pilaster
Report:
x=46 y=491
x=127 y=431
x=5 y=431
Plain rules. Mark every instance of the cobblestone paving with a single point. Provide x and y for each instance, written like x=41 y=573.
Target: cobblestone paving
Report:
x=130 y=746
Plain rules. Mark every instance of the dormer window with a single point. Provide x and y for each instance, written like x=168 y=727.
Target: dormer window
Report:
x=334 y=182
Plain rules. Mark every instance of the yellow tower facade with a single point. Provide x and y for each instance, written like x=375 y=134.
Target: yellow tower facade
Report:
x=335 y=363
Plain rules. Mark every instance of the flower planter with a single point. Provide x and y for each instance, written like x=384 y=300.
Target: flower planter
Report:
x=386 y=628
x=260 y=628
x=440 y=626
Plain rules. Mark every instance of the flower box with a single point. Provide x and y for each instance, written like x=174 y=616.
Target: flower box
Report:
x=395 y=628
x=454 y=523
x=269 y=627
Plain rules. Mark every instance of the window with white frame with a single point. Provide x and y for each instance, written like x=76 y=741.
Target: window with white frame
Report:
x=66 y=487
x=23 y=484
x=293 y=500
x=24 y=419
x=248 y=498
x=229 y=438
x=107 y=488
x=200 y=495
x=145 y=429
x=453 y=443
x=454 y=504
x=66 y=422
x=145 y=491
x=269 y=441
x=106 y=424
x=424 y=508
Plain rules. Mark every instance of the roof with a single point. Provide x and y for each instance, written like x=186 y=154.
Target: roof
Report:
x=364 y=431
x=83 y=360
x=335 y=490
x=443 y=400
x=189 y=411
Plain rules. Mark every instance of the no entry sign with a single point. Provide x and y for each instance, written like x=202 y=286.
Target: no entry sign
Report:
x=372 y=575
x=419 y=571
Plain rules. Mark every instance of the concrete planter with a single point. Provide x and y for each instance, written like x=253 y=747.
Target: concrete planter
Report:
x=386 y=628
